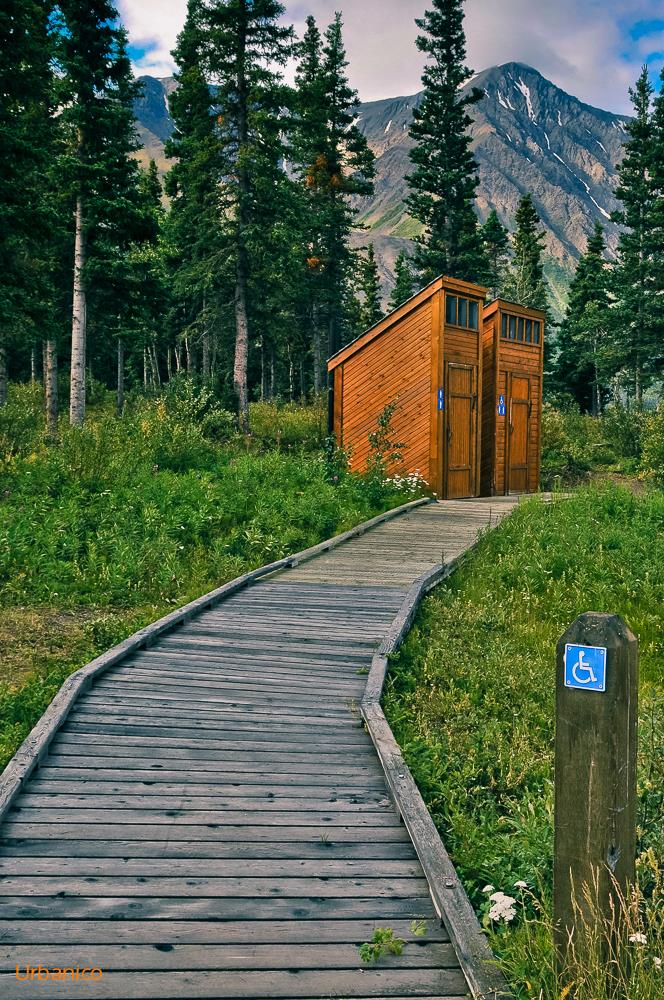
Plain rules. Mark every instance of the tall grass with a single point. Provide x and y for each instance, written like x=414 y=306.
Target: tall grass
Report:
x=471 y=700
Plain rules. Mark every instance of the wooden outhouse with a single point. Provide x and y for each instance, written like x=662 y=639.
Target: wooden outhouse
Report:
x=426 y=357
x=513 y=357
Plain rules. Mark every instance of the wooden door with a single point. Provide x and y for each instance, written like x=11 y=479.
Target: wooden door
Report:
x=519 y=409
x=460 y=431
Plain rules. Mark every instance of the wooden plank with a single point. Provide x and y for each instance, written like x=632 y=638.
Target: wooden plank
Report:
x=102 y=781
x=221 y=888
x=373 y=982
x=267 y=868
x=181 y=932
x=220 y=832
x=250 y=957
x=185 y=799
x=124 y=816
x=165 y=908
x=91 y=846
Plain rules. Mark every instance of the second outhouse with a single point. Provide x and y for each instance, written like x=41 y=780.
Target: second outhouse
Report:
x=513 y=358
x=426 y=357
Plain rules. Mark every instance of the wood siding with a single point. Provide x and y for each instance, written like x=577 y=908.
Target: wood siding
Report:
x=511 y=443
x=394 y=368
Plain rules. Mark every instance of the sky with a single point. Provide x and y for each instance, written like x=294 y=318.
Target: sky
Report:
x=593 y=49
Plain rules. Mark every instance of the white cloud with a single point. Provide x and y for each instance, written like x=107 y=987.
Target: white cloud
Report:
x=579 y=46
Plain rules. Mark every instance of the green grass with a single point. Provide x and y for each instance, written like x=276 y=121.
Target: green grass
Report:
x=471 y=695
x=127 y=518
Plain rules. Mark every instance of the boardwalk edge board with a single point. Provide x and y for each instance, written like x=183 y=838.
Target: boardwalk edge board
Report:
x=35 y=746
x=447 y=892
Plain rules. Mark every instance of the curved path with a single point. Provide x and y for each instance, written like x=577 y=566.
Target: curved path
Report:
x=212 y=819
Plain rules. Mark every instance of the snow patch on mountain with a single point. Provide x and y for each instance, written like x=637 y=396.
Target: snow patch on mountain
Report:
x=505 y=102
x=525 y=90
x=388 y=126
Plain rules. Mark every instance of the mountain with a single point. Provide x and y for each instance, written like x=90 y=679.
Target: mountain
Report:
x=528 y=136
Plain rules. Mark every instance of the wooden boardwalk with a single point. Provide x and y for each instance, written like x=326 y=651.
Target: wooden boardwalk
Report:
x=212 y=819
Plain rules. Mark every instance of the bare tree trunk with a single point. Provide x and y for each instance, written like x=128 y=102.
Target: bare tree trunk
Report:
x=317 y=352
x=154 y=364
x=145 y=368
x=3 y=374
x=273 y=381
x=205 y=360
x=78 y=326
x=241 y=360
x=169 y=366
x=33 y=364
x=51 y=388
x=178 y=357
x=240 y=363
x=291 y=375
x=121 y=378
x=638 y=385
x=303 y=387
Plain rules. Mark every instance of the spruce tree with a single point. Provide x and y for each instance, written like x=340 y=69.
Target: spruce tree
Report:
x=404 y=282
x=26 y=142
x=583 y=351
x=201 y=258
x=525 y=283
x=97 y=93
x=496 y=242
x=243 y=52
x=636 y=314
x=372 y=310
x=444 y=181
x=334 y=162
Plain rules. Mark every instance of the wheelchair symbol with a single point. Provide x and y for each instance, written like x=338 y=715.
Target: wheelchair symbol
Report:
x=585 y=667
x=580 y=667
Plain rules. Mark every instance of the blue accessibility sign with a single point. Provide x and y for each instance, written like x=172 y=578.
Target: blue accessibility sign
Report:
x=501 y=406
x=585 y=667
x=441 y=399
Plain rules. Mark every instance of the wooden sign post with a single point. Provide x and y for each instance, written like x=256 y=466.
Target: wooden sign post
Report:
x=595 y=780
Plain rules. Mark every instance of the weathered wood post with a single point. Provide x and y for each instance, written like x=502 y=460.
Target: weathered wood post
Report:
x=595 y=780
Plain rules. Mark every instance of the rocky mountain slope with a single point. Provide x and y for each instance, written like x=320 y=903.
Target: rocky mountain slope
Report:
x=528 y=136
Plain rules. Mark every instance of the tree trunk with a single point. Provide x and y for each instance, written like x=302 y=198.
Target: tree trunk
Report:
x=317 y=346
x=51 y=388
x=291 y=375
x=303 y=387
x=206 y=356
x=169 y=365
x=33 y=364
x=240 y=364
x=78 y=325
x=273 y=379
x=3 y=374
x=121 y=378
x=638 y=385
x=145 y=368
x=154 y=364
x=178 y=357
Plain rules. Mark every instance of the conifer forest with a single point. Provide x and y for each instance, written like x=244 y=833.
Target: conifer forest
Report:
x=238 y=269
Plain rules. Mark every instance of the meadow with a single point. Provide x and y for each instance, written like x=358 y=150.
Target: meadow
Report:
x=125 y=519
x=483 y=649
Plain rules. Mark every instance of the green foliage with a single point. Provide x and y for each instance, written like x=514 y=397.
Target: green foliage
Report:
x=404 y=282
x=444 y=180
x=21 y=422
x=384 y=451
x=471 y=694
x=497 y=249
x=383 y=942
x=371 y=311
x=525 y=282
x=653 y=446
x=149 y=508
x=288 y=425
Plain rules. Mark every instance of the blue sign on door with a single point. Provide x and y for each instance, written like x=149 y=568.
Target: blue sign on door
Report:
x=501 y=406
x=585 y=667
x=441 y=399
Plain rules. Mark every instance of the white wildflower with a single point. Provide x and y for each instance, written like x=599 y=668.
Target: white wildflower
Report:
x=489 y=888
x=520 y=885
x=638 y=938
x=657 y=963
x=503 y=907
